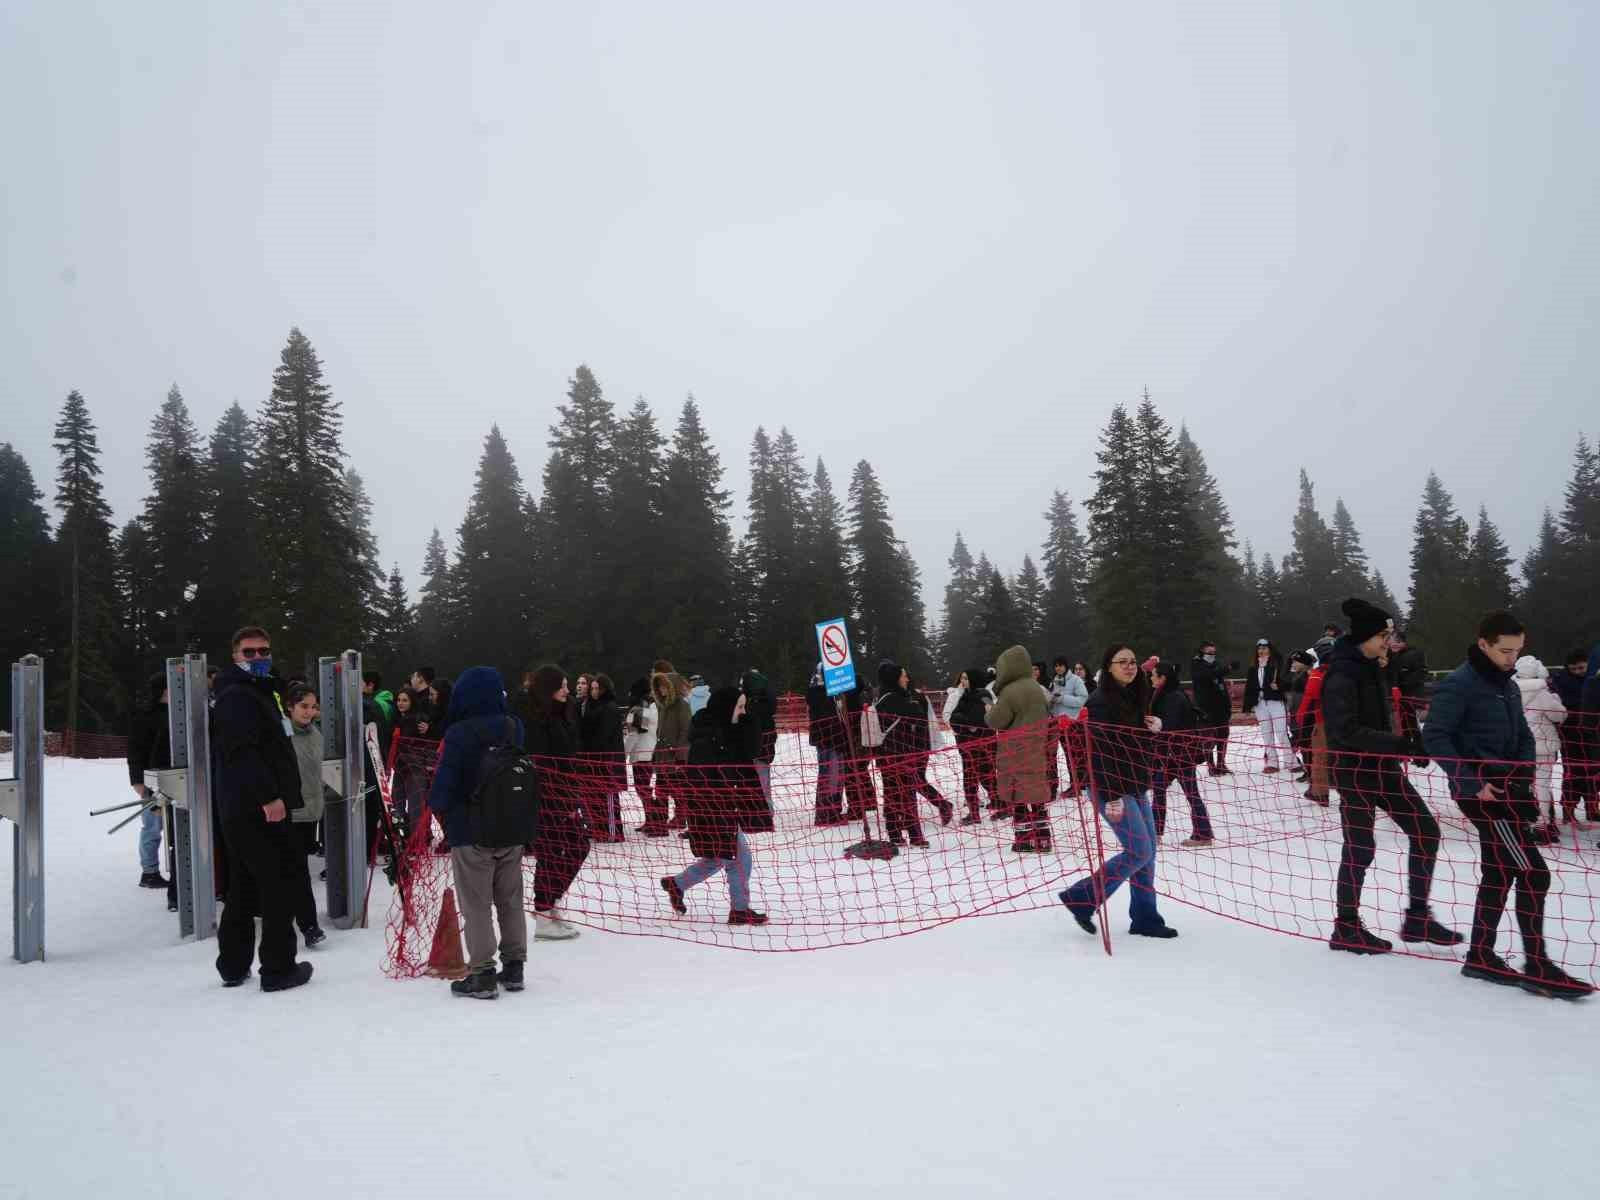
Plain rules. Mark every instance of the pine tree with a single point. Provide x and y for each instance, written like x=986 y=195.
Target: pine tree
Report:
x=365 y=570
x=637 y=483
x=229 y=577
x=139 y=619
x=1379 y=594
x=490 y=581
x=28 y=607
x=1488 y=568
x=827 y=559
x=1271 y=603
x=957 y=644
x=1064 y=625
x=1350 y=575
x=780 y=625
x=1121 y=571
x=1311 y=594
x=1578 y=564
x=1027 y=592
x=394 y=645
x=87 y=559
x=1220 y=606
x=695 y=629
x=175 y=465
x=1441 y=612
x=888 y=623
x=996 y=624
x=306 y=528
x=1540 y=602
x=437 y=630
x=575 y=522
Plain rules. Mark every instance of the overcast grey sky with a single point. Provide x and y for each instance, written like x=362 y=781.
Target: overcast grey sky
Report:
x=1360 y=238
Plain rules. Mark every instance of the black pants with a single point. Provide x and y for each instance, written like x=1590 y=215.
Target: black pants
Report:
x=1216 y=745
x=1183 y=774
x=925 y=786
x=305 y=899
x=1509 y=859
x=562 y=847
x=977 y=769
x=1358 y=812
x=261 y=880
x=900 y=784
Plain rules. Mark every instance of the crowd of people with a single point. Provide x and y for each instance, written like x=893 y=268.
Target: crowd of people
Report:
x=1345 y=715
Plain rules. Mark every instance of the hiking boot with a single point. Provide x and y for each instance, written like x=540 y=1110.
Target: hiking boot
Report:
x=314 y=937
x=1081 y=912
x=1197 y=843
x=1491 y=968
x=746 y=916
x=511 y=975
x=946 y=811
x=919 y=841
x=1316 y=799
x=480 y=985
x=1159 y=930
x=1421 y=927
x=674 y=893
x=549 y=927
x=1543 y=978
x=1357 y=939
x=299 y=975
x=152 y=879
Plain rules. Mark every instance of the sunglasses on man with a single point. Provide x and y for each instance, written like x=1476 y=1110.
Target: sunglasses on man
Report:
x=255 y=651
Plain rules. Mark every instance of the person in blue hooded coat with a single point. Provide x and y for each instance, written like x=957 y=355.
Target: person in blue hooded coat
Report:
x=486 y=877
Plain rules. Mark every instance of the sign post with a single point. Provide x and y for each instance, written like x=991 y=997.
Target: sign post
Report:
x=838 y=664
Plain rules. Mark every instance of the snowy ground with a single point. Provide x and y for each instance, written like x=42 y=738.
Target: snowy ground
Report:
x=996 y=1057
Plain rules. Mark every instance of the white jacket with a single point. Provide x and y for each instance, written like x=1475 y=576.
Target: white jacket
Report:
x=1541 y=706
x=640 y=745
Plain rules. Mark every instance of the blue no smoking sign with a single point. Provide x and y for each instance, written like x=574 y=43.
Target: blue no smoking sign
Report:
x=838 y=666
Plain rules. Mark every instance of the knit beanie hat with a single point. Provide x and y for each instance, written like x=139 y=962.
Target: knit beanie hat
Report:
x=1365 y=619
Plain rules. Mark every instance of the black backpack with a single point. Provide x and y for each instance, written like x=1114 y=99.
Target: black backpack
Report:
x=504 y=810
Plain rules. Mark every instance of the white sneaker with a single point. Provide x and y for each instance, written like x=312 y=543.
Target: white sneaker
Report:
x=551 y=928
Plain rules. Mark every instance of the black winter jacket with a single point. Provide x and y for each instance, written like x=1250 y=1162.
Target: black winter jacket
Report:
x=149 y=744
x=1120 y=747
x=720 y=784
x=254 y=758
x=1178 y=739
x=1408 y=671
x=1211 y=691
x=1255 y=690
x=1358 y=718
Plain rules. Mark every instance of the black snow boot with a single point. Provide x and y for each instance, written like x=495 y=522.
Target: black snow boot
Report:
x=314 y=937
x=1357 y=939
x=1543 y=978
x=1161 y=930
x=480 y=985
x=1421 y=927
x=295 y=977
x=152 y=879
x=511 y=975
x=1491 y=968
x=669 y=884
x=746 y=916
x=1082 y=913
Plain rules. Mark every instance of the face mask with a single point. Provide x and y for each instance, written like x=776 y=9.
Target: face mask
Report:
x=1210 y=658
x=259 y=667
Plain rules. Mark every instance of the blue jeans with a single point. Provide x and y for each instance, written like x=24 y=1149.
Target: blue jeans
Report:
x=764 y=773
x=1136 y=831
x=738 y=870
x=150 y=841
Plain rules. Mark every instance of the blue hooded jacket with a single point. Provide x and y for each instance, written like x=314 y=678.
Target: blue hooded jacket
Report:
x=478 y=720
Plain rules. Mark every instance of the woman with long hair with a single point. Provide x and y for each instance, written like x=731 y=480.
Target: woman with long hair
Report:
x=1263 y=695
x=725 y=802
x=965 y=710
x=600 y=732
x=1120 y=750
x=561 y=844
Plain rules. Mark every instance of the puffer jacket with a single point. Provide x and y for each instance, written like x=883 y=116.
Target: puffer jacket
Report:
x=1021 y=717
x=1477 y=732
x=1068 y=695
x=477 y=720
x=1541 y=706
x=721 y=788
x=1358 y=720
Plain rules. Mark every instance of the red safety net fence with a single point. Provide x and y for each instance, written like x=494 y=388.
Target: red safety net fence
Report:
x=1277 y=821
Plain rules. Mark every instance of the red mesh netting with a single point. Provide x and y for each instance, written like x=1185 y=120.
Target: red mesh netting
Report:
x=1273 y=861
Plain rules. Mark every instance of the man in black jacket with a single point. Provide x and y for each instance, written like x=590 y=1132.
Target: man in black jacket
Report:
x=1366 y=755
x=1212 y=699
x=257 y=781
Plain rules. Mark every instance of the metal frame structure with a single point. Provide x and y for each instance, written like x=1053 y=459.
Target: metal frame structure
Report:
x=344 y=822
x=185 y=789
x=22 y=802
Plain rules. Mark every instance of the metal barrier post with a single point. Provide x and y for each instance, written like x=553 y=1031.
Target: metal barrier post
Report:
x=22 y=801
x=186 y=791
x=343 y=753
